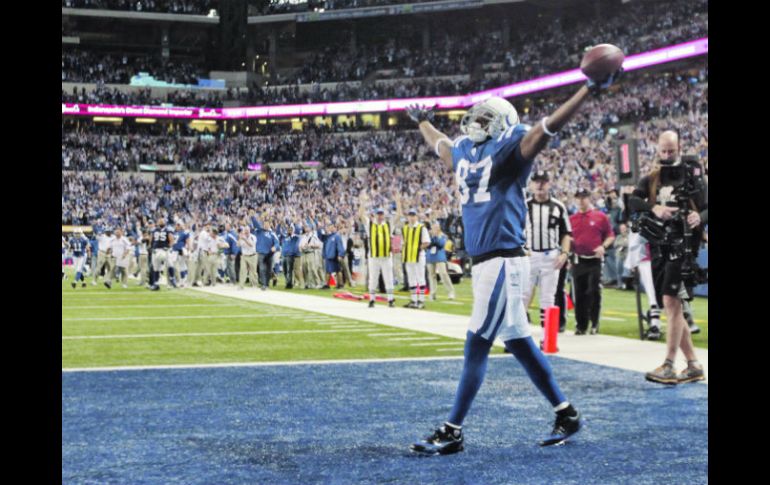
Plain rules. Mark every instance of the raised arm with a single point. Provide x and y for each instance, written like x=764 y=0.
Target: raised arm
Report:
x=439 y=142
x=537 y=138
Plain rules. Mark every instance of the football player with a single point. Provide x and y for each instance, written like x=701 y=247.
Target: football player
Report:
x=162 y=239
x=79 y=247
x=492 y=162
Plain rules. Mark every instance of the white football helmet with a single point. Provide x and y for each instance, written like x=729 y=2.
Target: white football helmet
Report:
x=489 y=118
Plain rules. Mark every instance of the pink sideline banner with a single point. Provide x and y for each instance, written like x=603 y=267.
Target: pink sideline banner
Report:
x=637 y=61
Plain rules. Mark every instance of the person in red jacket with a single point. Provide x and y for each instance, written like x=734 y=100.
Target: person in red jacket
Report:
x=592 y=234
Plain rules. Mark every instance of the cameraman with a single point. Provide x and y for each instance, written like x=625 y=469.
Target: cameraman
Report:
x=672 y=263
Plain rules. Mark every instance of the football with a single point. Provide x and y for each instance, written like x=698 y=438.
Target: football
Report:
x=602 y=60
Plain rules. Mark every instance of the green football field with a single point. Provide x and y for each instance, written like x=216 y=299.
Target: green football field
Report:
x=618 y=315
x=134 y=326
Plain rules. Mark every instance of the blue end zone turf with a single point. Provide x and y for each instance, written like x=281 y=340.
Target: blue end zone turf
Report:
x=353 y=423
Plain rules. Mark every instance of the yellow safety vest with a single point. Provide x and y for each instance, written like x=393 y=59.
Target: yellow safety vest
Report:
x=379 y=240
x=411 y=250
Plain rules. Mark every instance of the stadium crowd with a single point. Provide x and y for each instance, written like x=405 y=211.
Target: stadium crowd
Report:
x=674 y=99
x=93 y=67
x=198 y=7
x=536 y=49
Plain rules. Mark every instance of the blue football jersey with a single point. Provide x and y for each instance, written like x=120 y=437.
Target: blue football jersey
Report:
x=492 y=177
x=181 y=240
x=78 y=246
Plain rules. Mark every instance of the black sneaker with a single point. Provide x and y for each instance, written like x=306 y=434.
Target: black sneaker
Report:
x=371 y=303
x=444 y=441
x=653 y=333
x=563 y=428
x=580 y=332
x=84 y=284
x=392 y=303
x=74 y=285
x=108 y=285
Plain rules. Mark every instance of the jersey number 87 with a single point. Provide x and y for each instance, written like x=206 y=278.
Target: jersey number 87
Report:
x=465 y=172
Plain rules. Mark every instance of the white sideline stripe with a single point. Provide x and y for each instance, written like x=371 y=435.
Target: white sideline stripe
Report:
x=93 y=307
x=414 y=338
x=177 y=317
x=389 y=334
x=614 y=319
x=206 y=334
x=457 y=349
x=428 y=344
x=266 y=364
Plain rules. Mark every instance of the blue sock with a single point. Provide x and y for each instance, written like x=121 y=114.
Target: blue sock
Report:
x=474 y=369
x=79 y=276
x=539 y=370
x=184 y=274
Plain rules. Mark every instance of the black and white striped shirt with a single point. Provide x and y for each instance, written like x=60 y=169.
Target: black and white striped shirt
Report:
x=547 y=224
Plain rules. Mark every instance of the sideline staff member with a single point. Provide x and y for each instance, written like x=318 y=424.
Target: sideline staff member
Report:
x=592 y=235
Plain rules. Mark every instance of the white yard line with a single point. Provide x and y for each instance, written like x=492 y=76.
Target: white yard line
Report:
x=428 y=344
x=170 y=317
x=414 y=338
x=389 y=334
x=207 y=334
x=618 y=352
x=94 y=307
x=456 y=349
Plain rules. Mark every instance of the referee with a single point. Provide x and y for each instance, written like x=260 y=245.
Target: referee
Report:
x=548 y=240
x=592 y=236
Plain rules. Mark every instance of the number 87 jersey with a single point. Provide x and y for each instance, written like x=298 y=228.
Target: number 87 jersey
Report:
x=491 y=177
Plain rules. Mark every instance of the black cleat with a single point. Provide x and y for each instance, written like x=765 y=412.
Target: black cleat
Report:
x=444 y=441
x=325 y=287
x=371 y=303
x=74 y=285
x=392 y=303
x=563 y=428
x=108 y=285
x=155 y=288
x=84 y=284
x=580 y=332
x=411 y=304
x=653 y=333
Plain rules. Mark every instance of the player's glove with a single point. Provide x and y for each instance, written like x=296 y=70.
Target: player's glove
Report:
x=419 y=114
x=596 y=87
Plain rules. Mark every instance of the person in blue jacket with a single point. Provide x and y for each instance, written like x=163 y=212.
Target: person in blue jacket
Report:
x=436 y=258
x=289 y=254
x=267 y=244
x=334 y=252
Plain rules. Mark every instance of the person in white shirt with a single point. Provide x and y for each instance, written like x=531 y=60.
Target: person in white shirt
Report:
x=121 y=251
x=248 y=243
x=104 y=259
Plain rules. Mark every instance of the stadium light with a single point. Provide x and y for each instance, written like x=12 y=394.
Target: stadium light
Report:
x=637 y=61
